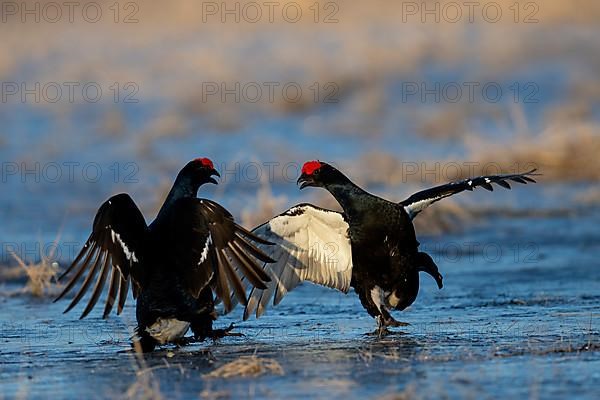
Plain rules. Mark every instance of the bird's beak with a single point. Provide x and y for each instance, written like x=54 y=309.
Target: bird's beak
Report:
x=213 y=180
x=305 y=181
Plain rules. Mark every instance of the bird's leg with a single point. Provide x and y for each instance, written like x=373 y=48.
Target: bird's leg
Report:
x=220 y=333
x=383 y=321
x=184 y=341
x=142 y=342
x=374 y=301
x=388 y=320
x=202 y=327
x=382 y=329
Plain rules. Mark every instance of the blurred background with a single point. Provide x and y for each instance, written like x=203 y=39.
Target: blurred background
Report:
x=113 y=96
x=101 y=97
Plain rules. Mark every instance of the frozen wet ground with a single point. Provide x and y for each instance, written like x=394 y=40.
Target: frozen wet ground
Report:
x=518 y=316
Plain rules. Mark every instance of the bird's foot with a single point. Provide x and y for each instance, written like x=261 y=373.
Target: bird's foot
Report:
x=217 y=334
x=380 y=332
x=392 y=322
x=184 y=341
x=382 y=326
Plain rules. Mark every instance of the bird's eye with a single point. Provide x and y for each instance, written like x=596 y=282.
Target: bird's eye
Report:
x=316 y=172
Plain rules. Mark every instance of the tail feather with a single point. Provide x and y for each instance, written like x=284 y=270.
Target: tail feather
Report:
x=426 y=264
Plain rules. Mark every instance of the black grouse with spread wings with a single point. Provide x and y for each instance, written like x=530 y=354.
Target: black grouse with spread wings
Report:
x=371 y=246
x=172 y=265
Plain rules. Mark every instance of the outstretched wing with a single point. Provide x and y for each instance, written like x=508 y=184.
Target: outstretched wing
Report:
x=311 y=244
x=113 y=246
x=209 y=247
x=421 y=200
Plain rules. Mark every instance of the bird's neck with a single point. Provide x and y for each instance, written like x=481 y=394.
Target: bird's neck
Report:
x=350 y=196
x=183 y=187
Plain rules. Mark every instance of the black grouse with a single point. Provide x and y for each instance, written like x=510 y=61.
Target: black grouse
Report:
x=371 y=246
x=193 y=245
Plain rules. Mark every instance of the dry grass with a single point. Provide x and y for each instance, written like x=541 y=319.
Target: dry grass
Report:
x=41 y=277
x=267 y=206
x=247 y=366
x=590 y=196
x=566 y=151
x=362 y=50
x=561 y=152
x=11 y=273
x=145 y=387
x=441 y=218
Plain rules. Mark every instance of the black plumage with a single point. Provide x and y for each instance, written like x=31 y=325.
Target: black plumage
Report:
x=376 y=249
x=192 y=247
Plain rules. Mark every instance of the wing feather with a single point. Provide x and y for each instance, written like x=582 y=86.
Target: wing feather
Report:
x=255 y=276
x=87 y=281
x=87 y=247
x=123 y=290
x=257 y=294
x=311 y=244
x=238 y=287
x=79 y=272
x=115 y=280
x=222 y=284
x=99 y=286
x=211 y=249
x=115 y=246
x=282 y=280
x=423 y=199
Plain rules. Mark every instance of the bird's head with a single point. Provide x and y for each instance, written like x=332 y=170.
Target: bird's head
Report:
x=317 y=174
x=200 y=171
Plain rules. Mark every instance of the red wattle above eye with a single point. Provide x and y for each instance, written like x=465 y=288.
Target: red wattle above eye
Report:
x=310 y=167
x=205 y=161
